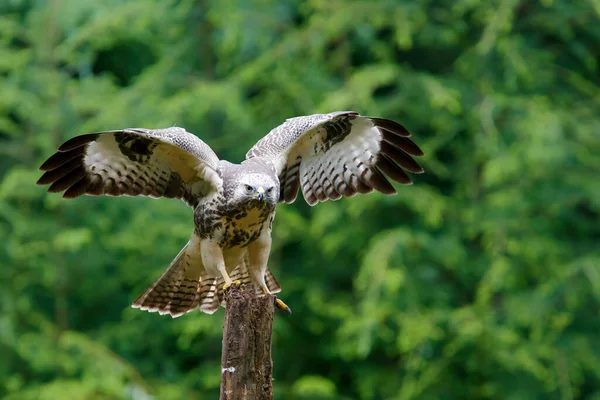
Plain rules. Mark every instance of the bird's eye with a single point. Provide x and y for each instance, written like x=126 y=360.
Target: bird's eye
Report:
x=249 y=188
x=270 y=190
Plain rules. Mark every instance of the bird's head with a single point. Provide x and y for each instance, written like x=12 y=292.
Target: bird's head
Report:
x=258 y=189
x=251 y=184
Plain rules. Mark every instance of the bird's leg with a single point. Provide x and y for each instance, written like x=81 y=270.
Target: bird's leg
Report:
x=227 y=278
x=258 y=254
x=214 y=263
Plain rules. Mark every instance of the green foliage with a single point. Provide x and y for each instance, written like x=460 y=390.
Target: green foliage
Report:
x=482 y=280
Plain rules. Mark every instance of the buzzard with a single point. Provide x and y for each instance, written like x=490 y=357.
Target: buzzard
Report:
x=327 y=156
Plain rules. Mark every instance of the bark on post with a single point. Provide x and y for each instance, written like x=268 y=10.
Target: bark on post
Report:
x=246 y=364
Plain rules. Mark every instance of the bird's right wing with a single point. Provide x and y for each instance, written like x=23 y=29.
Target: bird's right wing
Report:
x=168 y=162
x=336 y=155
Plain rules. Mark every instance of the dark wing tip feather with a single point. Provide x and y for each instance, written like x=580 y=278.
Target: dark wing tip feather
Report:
x=379 y=182
x=400 y=157
x=49 y=177
x=387 y=165
x=403 y=143
x=78 y=141
x=61 y=157
x=64 y=170
x=67 y=181
x=67 y=174
x=79 y=188
x=397 y=151
x=391 y=126
x=56 y=174
x=412 y=148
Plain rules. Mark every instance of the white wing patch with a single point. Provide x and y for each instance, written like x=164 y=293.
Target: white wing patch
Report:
x=114 y=174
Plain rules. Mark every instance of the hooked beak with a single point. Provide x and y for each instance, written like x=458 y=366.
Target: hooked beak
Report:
x=260 y=193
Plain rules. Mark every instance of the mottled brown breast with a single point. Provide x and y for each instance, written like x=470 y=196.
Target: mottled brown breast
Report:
x=232 y=227
x=242 y=227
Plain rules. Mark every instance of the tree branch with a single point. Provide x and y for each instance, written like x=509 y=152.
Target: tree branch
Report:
x=246 y=362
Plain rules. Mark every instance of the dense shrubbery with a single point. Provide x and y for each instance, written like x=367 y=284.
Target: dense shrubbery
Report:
x=480 y=281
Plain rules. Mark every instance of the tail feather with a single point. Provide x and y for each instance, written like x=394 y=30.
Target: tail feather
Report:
x=179 y=288
x=272 y=283
x=208 y=288
x=185 y=286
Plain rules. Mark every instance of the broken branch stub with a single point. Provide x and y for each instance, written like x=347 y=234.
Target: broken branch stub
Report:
x=246 y=364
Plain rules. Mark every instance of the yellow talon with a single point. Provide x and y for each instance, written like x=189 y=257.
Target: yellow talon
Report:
x=282 y=306
x=226 y=286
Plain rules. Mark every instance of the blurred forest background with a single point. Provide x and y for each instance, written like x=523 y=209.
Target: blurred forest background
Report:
x=480 y=281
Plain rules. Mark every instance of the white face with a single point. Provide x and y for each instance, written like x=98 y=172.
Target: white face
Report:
x=258 y=187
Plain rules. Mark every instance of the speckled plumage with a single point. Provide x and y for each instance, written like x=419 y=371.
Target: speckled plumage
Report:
x=326 y=156
x=236 y=223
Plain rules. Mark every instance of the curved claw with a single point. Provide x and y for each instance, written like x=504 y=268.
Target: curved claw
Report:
x=282 y=306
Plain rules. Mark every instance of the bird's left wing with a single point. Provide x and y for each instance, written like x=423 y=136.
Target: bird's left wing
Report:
x=337 y=154
x=168 y=162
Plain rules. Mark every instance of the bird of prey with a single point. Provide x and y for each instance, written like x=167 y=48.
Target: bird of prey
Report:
x=326 y=156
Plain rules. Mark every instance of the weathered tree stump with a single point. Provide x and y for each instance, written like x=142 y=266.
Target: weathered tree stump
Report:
x=246 y=364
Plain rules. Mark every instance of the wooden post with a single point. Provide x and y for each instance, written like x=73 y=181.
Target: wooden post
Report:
x=246 y=364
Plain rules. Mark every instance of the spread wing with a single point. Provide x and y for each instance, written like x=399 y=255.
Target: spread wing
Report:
x=168 y=162
x=338 y=154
